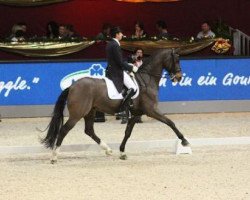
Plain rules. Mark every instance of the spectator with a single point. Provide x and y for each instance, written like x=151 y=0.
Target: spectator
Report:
x=62 y=32
x=105 y=34
x=18 y=36
x=52 y=30
x=137 y=57
x=139 y=31
x=17 y=27
x=14 y=29
x=162 y=28
x=67 y=32
x=70 y=32
x=23 y=27
x=205 y=31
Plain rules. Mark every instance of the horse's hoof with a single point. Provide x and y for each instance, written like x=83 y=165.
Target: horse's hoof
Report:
x=53 y=162
x=185 y=143
x=123 y=157
x=109 y=152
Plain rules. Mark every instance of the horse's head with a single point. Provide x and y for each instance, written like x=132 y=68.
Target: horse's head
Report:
x=171 y=63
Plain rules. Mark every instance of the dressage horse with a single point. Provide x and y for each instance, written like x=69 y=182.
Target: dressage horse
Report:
x=87 y=95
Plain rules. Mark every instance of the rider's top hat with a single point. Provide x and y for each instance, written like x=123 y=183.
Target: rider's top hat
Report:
x=115 y=30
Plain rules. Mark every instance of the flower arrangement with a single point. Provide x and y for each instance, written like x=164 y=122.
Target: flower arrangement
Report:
x=221 y=46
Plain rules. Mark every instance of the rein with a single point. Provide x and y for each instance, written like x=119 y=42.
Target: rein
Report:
x=146 y=72
x=157 y=75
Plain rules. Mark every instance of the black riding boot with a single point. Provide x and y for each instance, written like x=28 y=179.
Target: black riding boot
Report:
x=125 y=105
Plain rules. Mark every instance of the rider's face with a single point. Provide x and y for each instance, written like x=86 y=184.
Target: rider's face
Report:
x=119 y=36
x=205 y=27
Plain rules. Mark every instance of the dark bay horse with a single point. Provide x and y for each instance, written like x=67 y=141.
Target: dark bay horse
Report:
x=87 y=95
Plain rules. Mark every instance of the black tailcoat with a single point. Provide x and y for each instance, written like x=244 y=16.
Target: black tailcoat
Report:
x=116 y=65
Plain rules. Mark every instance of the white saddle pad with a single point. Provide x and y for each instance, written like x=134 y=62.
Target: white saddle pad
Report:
x=114 y=94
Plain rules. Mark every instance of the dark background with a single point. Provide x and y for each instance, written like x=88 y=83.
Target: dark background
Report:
x=183 y=18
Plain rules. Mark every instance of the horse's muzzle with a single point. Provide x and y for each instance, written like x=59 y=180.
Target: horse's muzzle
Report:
x=176 y=77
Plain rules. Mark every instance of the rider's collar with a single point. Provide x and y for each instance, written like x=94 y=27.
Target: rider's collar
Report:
x=117 y=41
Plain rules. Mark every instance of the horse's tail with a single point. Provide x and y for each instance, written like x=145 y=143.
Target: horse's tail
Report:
x=57 y=121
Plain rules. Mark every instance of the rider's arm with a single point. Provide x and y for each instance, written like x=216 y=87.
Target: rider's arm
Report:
x=119 y=60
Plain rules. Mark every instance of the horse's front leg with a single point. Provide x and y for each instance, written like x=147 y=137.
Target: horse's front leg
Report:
x=155 y=113
x=128 y=131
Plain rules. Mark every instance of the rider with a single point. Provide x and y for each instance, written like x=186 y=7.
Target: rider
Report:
x=116 y=67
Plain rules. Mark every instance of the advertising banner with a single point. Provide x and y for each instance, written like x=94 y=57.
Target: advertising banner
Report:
x=40 y=83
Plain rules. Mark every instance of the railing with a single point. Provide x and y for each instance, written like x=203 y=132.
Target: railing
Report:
x=241 y=42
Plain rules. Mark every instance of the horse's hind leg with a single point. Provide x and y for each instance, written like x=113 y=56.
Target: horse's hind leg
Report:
x=63 y=132
x=158 y=116
x=89 y=130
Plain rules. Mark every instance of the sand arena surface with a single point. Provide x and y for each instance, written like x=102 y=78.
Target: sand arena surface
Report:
x=210 y=173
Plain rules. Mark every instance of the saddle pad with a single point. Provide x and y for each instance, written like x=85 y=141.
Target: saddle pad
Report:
x=112 y=91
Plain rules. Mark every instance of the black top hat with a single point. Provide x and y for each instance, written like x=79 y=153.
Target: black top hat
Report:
x=114 y=31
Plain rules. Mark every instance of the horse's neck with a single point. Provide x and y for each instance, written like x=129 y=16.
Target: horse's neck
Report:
x=155 y=70
x=151 y=74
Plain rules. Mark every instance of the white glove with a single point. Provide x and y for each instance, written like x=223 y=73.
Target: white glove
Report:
x=132 y=74
x=135 y=69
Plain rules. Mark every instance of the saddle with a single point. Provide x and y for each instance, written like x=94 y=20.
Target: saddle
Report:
x=114 y=94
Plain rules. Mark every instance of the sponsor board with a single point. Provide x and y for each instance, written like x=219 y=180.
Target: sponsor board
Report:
x=40 y=83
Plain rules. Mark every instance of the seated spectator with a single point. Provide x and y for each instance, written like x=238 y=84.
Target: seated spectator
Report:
x=23 y=27
x=52 y=30
x=162 y=28
x=70 y=32
x=139 y=31
x=105 y=34
x=18 y=36
x=18 y=27
x=14 y=29
x=62 y=32
x=66 y=32
x=205 y=31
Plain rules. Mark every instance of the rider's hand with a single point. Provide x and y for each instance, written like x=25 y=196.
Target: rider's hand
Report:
x=132 y=74
x=135 y=69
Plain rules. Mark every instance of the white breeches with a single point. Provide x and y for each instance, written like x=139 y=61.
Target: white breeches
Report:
x=128 y=82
